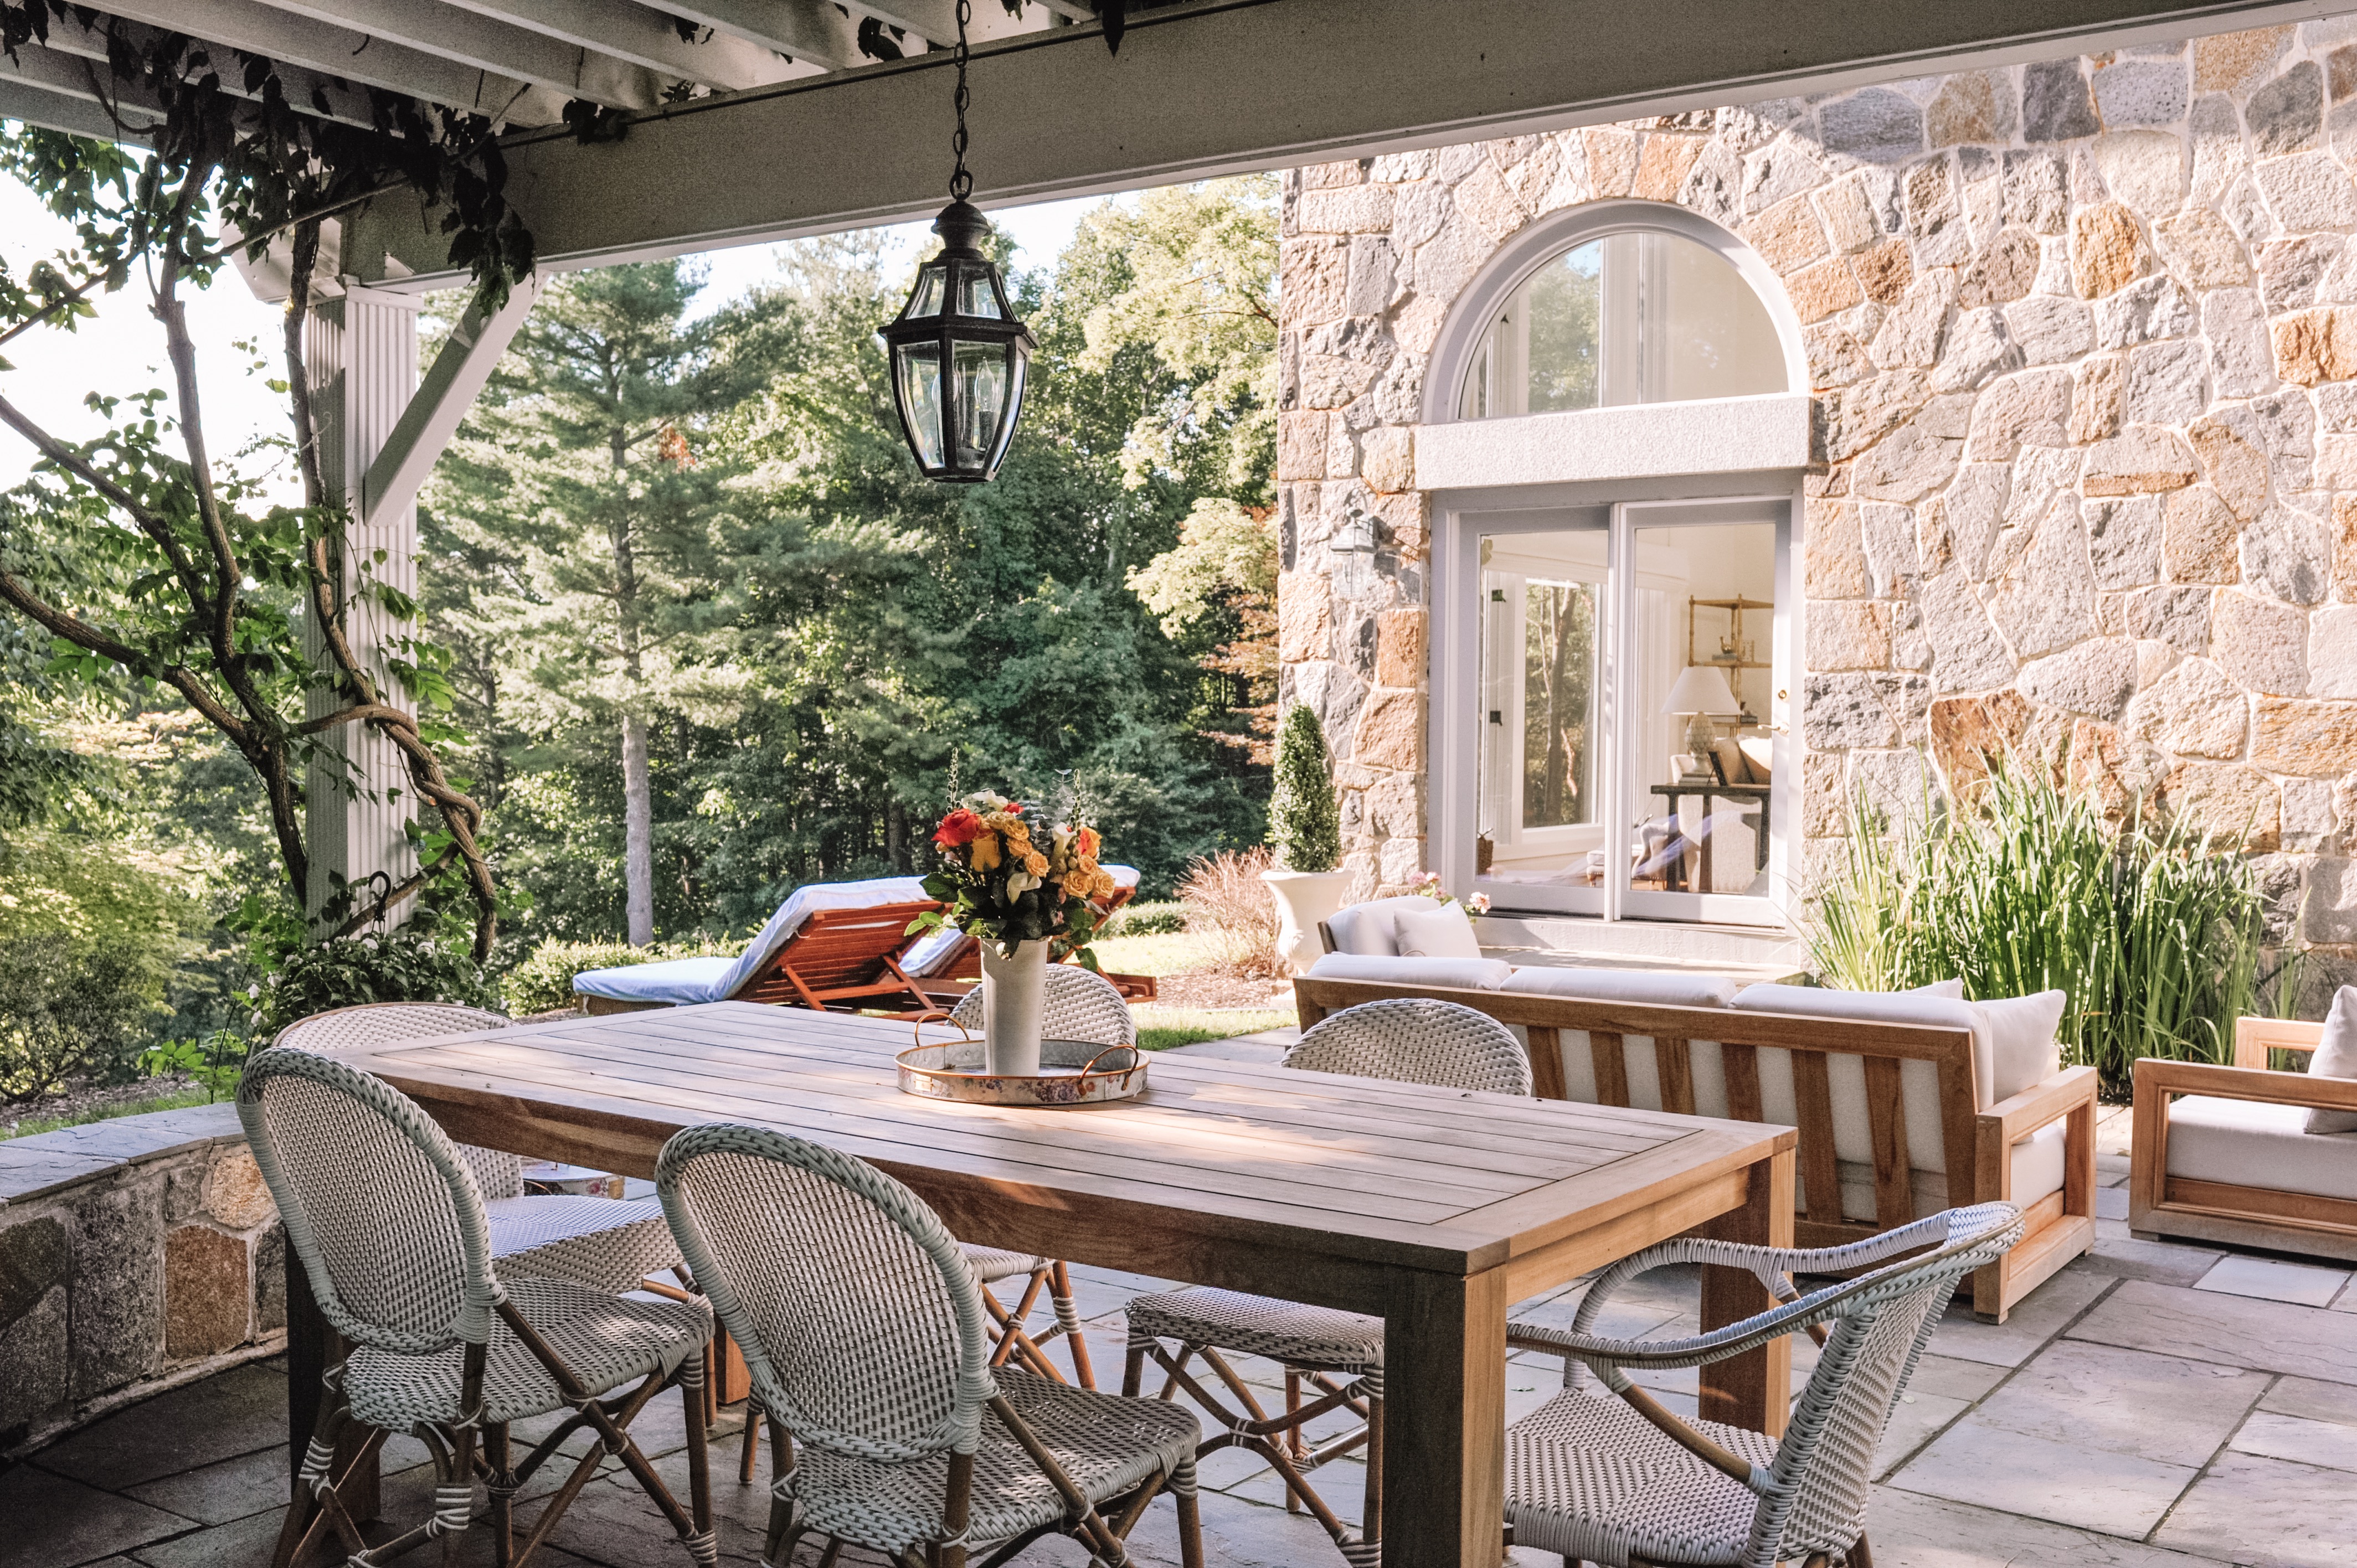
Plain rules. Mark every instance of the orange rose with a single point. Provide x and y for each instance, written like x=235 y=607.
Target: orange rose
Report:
x=1087 y=841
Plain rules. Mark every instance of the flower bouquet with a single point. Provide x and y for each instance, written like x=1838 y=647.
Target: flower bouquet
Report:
x=1028 y=893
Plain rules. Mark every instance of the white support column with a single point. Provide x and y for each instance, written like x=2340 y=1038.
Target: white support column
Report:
x=361 y=354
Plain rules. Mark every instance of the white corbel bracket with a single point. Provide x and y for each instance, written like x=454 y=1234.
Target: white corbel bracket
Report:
x=436 y=410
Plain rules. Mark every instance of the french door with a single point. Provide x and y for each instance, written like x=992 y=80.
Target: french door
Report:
x=1610 y=690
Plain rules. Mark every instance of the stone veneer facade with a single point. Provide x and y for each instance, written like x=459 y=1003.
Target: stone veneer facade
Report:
x=2083 y=341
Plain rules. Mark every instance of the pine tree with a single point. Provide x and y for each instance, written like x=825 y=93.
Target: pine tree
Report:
x=1303 y=822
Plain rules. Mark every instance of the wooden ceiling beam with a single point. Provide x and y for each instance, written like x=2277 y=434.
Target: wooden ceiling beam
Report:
x=487 y=45
x=646 y=37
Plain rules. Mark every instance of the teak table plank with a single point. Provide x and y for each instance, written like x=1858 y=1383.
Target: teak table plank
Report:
x=1432 y=1209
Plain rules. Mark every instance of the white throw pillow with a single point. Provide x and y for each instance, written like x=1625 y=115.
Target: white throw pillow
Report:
x=2023 y=1049
x=2336 y=1057
x=1366 y=929
x=1758 y=757
x=1458 y=973
x=1646 y=987
x=1445 y=932
x=1953 y=990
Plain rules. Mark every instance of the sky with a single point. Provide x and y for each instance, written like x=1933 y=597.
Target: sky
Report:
x=122 y=350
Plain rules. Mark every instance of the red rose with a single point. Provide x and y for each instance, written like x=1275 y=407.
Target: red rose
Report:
x=958 y=829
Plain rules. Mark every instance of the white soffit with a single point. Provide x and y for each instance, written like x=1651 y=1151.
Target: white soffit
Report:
x=1660 y=440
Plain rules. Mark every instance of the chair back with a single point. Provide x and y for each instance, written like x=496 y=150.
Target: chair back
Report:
x=1880 y=1324
x=1081 y=1004
x=496 y=1173
x=376 y=1201
x=860 y=1322
x=1417 y=1040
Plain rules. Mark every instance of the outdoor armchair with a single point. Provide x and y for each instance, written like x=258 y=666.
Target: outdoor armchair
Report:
x=1621 y=1481
x=1339 y=1354
x=385 y=1217
x=609 y=1244
x=869 y=1352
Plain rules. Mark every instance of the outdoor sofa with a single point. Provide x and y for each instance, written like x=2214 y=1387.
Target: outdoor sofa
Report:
x=2227 y=1153
x=1890 y=1093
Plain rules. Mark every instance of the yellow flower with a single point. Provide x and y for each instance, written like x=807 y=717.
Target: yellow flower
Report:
x=1104 y=882
x=984 y=856
x=1035 y=864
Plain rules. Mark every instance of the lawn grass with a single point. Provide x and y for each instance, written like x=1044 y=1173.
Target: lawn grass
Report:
x=1178 y=952
x=179 y=1100
x=1159 y=1028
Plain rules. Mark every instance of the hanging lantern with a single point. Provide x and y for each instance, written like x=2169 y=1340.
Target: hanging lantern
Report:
x=958 y=353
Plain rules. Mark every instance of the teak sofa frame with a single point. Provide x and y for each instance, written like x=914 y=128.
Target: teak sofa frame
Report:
x=836 y=959
x=2058 y=1227
x=2163 y=1205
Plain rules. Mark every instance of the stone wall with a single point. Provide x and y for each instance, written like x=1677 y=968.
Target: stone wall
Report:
x=2083 y=337
x=135 y=1254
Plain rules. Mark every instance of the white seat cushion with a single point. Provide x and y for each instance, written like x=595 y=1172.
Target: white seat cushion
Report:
x=1648 y=987
x=2248 y=1143
x=2038 y=1168
x=679 y=981
x=1461 y=973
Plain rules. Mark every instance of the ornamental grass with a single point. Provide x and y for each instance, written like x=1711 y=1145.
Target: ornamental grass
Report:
x=1228 y=903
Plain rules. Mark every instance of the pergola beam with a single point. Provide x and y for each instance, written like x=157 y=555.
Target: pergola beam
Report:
x=34 y=102
x=347 y=53
x=1223 y=88
x=483 y=44
x=646 y=37
x=304 y=89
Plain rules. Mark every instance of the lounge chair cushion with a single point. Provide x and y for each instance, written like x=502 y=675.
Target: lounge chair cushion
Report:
x=1647 y=987
x=1443 y=932
x=1886 y=1008
x=1463 y=974
x=2249 y=1143
x=1367 y=928
x=805 y=902
x=2336 y=1057
x=679 y=982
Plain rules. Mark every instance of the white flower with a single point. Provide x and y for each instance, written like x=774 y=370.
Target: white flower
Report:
x=1020 y=881
x=1479 y=903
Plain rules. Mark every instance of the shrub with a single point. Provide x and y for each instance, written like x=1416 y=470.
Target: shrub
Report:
x=544 y=981
x=1146 y=920
x=1226 y=900
x=1304 y=822
x=91 y=935
x=2154 y=934
x=409 y=964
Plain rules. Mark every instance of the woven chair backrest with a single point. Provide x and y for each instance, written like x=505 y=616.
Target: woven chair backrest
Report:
x=1826 y=1458
x=376 y=1201
x=498 y=1173
x=1417 y=1040
x=859 y=1316
x=1081 y=1005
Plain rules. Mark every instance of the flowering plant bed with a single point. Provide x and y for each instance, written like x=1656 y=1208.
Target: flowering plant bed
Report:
x=1010 y=878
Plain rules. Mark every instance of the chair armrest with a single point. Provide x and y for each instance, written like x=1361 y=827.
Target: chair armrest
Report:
x=2042 y=1104
x=2255 y=1037
x=2162 y=1078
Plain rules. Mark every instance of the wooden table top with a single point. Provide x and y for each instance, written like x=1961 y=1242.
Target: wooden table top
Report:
x=1217 y=1161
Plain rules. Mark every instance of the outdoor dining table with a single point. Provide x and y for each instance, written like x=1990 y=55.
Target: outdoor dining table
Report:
x=1435 y=1209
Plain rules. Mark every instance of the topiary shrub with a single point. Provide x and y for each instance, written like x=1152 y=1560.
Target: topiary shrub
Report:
x=1304 y=823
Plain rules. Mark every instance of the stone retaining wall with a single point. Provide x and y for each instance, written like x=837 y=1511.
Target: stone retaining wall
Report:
x=135 y=1254
x=2083 y=340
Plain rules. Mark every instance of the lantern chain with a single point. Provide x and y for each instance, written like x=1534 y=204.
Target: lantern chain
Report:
x=961 y=182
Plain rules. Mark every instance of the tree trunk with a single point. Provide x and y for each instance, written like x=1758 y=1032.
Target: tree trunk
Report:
x=637 y=832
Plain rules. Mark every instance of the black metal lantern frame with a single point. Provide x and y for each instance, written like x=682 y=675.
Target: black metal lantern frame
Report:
x=959 y=355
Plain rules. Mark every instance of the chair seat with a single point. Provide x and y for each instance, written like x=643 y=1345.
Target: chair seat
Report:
x=992 y=1264
x=1588 y=1477
x=602 y=1242
x=1108 y=1446
x=607 y=1340
x=1314 y=1338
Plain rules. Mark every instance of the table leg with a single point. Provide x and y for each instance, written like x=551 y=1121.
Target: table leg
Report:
x=1444 y=1419
x=1754 y=1389
x=310 y=1348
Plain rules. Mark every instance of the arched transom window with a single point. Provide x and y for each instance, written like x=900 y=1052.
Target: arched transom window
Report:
x=1624 y=319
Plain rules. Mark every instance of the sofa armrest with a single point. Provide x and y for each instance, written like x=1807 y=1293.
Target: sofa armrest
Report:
x=2041 y=1105
x=2159 y=1079
x=2255 y=1037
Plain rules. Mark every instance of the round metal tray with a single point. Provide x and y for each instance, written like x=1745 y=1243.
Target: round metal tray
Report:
x=1072 y=1073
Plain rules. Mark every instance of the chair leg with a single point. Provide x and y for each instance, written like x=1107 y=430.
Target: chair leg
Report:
x=1133 y=1372
x=497 y=1459
x=1292 y=1435
x=702 y=1545
x=1191 y=1531
x=1859 y=1556
x=1068 y=1318
x=751 y=1453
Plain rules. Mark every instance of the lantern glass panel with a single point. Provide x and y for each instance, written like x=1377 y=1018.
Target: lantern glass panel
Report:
x=976 y=297
x=920 y=398
x=979 y=379
x=927 y=299
x=1017 y=363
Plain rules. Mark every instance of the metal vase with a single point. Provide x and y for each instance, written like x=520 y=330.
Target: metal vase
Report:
x=1014 y=996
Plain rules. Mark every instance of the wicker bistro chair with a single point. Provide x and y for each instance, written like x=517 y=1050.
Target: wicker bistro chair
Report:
x=604 y=1243
x=865 y=1335
x=1339 y=1354
x=1625 y=1483
x=385 y=1216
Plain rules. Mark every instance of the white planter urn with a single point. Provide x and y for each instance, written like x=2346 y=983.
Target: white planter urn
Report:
x=1304 y=898
x=1014 y=995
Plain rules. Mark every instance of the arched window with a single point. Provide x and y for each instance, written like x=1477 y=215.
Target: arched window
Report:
x=1624 y=319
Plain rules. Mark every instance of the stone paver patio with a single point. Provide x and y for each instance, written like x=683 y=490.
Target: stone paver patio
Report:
x=2152 y=1406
